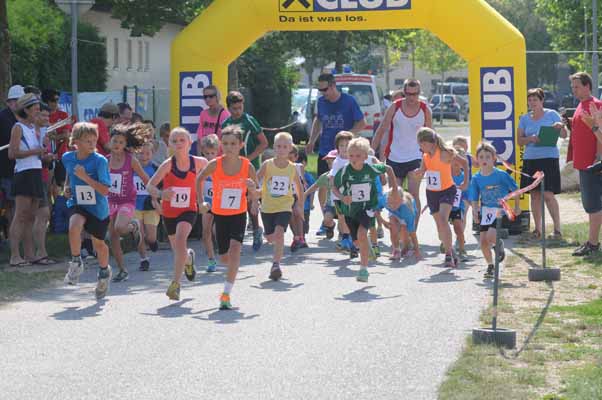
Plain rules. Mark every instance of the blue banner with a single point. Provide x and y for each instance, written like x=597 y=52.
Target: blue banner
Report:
x=89 y=103
x=191 y=99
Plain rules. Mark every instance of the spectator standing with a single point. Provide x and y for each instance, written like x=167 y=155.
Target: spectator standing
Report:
x=107 y=117
x=60 y=137
x=211 y=118
x=125 y=113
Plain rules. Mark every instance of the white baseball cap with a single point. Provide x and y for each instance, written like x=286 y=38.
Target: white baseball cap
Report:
x=15 y=92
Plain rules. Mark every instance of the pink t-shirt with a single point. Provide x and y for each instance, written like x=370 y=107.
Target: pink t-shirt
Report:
x=209 y=123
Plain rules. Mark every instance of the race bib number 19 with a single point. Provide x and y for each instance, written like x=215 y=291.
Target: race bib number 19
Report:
x=181 y=197
x=231 y=199
x=85 y=195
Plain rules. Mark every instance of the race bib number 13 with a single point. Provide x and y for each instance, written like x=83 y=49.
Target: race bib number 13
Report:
x=85 y=195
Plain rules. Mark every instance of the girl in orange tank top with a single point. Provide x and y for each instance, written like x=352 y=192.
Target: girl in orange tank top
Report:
x=233 y=180
x=437 y=158
x=179 y=203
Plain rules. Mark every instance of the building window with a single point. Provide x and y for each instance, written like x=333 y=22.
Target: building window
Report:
x=129 y=55
x=115 y=53
x=399 y=82
x=140 y=58
x=146 y=56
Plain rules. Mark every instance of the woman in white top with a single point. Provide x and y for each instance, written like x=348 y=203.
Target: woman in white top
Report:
x=27 y=149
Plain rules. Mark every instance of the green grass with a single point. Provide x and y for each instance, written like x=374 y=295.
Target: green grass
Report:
x=585 y=383
x=13 y=284
x=57 y=246
x=312 y=165
x=591 y=312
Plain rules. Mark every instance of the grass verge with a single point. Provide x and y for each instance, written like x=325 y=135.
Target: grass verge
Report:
x=13 y=284
x=559 y=332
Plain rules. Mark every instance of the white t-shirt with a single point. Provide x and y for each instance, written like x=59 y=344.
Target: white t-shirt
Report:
x=338 y=164
x=404 y=146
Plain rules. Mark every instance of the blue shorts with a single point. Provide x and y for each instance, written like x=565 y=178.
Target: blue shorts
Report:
x=406 y=215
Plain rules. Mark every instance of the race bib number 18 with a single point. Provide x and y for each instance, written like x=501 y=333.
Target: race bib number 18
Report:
x=140 y=186
x=457 y=198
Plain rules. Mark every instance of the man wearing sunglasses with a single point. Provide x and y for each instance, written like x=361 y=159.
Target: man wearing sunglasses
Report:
x=336 y=112
x=402 y=120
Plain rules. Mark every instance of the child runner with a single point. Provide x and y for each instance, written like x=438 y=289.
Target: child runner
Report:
x=279 y=178
x=341 y=141
x=359 y=197
x=308 y=180
x=374 y=233
x=402 y=222
x=297 y=222
x=210 y=150
x=254 y=143
x=146 y=207
x=233 y=176
x=489 y=186
x=179 y=203
x=122 y=193
x=440 y=190
x=323 y=181
x=457 y=215
x=87 y=187
x=461 y=143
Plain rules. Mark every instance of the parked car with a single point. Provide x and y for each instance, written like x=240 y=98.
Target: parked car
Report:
x=302 y=111
x=550 y=100
x=451 y=108
x=363 y=88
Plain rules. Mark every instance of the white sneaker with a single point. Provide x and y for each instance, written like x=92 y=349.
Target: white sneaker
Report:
x=74 y=271
x=104 y=281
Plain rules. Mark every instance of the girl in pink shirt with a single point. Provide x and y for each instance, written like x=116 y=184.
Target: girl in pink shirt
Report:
x=211 y=119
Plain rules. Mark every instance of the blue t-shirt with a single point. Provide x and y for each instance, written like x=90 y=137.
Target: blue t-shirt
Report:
x=531 y=128
x=490 y=189
x=406 y=213
x=309 y=180
x=458 y=181
x=97 y=167
x=140 y=199
x=335 y=117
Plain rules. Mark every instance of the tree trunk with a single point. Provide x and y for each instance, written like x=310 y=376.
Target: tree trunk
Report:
x=233 y=76
x=340 y=51
x=5 y=75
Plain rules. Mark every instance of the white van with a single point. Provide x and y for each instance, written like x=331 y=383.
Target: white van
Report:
x=368 y=96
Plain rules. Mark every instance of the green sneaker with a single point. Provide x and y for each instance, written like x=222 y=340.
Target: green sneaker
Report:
x=376 y=250
x=211 y=265
x=189 y=269
x=173 y=291
x=363 y=275
x=372 y=254
x=224 y=302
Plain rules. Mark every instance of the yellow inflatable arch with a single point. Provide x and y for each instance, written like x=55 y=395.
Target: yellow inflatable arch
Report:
x=492 y=47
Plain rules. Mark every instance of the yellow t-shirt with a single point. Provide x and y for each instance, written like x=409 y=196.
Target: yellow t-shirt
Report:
x=277 y=188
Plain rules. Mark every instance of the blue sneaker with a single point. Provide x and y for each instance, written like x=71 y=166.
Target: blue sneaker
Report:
x=257 y=239
x=347 y=244
x=211 y=265
x=321 y=231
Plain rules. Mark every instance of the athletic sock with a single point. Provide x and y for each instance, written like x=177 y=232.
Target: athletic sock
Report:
x=76 y=259
x=345 y=236
x=228 y=287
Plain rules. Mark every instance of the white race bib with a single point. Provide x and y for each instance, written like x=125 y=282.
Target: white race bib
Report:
x=433 y=180
x=115 y=183
x=140 y=186
x=488 y=215
x=231 y=199
x=360 y=192
x=457 y=199
x=85 y=195
x=208 y=189
x=181 y=197
x=279 y=185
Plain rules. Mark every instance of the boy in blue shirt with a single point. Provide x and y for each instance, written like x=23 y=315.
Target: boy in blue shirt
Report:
x=489 y=186
x=87 y=188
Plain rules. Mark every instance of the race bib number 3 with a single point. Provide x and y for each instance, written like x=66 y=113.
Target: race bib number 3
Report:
x=433 y=180
x=231 y=199
x=360 y=192
x=488 y=215
x=279 y=185
x=115 y=183
x=457 y=198
x=181 y=197
x=140 y=186
x=85 y=195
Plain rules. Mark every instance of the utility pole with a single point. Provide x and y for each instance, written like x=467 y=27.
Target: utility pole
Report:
x=595 y=47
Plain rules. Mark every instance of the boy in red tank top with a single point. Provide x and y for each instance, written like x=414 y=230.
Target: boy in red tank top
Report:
x=234 y=179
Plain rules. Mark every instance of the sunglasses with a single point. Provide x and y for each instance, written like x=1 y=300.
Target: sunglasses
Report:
x=209 y=96
x=323 y=89
x=411 y=93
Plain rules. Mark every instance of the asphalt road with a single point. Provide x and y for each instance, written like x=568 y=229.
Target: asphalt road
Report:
x=316 y=334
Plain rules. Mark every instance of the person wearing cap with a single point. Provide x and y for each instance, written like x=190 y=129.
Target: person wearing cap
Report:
x=8 y=118
x=26 y=147
x=107 y=117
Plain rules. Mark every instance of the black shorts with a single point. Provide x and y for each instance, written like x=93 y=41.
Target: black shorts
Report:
x=485 y=228
x=402 y=170
x=229 y=227
x=434 y=199
x=551 y=169
x=322 y=165
x=272 y=220
x=28 y=183
x=360 y=219
x=59 y=173
x=455 y=214
x=171 y=224
x=94 y=226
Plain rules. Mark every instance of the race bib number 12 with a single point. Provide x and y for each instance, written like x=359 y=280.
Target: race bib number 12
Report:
x=433 y=180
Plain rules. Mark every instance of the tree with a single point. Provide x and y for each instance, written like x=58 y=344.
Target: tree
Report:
x=435 y=56
x=5 y=76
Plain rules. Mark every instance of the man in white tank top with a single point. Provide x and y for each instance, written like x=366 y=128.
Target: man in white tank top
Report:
x=400 y=125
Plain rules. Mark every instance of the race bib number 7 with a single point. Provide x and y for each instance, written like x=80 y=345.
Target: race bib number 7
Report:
x=231 y=199
x=85 y=195
x=488 y=215
x=181 y=197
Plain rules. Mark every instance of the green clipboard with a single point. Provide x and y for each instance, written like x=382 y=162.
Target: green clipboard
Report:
x=548 y=136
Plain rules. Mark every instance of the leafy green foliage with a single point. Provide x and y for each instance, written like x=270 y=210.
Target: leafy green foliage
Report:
x=435 y=56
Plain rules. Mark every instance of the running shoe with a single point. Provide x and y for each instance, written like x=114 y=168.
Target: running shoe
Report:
x=396 y=256
x=405 y=251
x=257 y=238
x=173 y=291
x=376 y=250
x=275 y=272
x=502 y=252
x=353 y=252
x=295 y=245
x=303 y=244
x=587 y=250
x=144 y=264
x=322 y=231
x=76 y=267
x=329 y=232
x=211 y=265
x=463 y=256
x=363 y=275
x=121 y=276
x=347 y=244
x=154 y=246
x=449 y=261
x=136 y=232
x=371 y=254
x=380 y=232
x=224 y=302
x=189 y=269
x=490 y=271
x=104 y=281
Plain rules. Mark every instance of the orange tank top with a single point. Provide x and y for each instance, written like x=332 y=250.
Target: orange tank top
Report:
x=183 y=183
x=438 y=173
x=229 y=191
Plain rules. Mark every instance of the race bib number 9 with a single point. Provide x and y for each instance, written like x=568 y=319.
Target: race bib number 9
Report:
x=181 y=197
x=140 y=186
x=279 y=185
x=208 y=189
x=115 y=183
x=85 y=195
x=457 y=198
x=231 y=199
x=360 y=192
x=433 y=180
x=488 y=215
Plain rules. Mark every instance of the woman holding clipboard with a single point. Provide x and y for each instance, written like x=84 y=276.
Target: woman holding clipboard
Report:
x=538 y=131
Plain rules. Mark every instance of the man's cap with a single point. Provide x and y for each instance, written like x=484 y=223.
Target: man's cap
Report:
x=27 y=100
x=15 y=92
x=109 y=108
x=331 y=154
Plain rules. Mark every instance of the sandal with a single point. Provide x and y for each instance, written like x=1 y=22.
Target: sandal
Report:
x=535 y=235
x=45 y=261
x=21 y=264
x=557 y=235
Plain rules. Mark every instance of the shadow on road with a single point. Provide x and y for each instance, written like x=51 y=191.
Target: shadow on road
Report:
x=225 y=317
x=446 y=276
x=174 y=310
x=363 y=296
x=277 y=286
x=79 y=313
